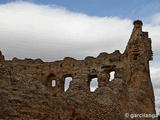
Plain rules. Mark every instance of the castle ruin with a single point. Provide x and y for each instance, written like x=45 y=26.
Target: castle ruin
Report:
x=26 y=90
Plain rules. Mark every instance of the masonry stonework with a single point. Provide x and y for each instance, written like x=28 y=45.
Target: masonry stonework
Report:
x=26 y=90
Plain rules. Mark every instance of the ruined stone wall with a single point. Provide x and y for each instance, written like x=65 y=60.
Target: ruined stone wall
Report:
x=131 y=86
x=80 y=70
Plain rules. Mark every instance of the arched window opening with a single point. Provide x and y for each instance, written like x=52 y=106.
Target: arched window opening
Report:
x=112 y=74
x=93 y=84
x=53 y=83
x=67 y=83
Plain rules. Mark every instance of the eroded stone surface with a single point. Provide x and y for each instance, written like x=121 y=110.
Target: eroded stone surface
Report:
x=26 y=90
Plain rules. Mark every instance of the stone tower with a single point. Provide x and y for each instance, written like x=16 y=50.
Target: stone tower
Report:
x=138 y=53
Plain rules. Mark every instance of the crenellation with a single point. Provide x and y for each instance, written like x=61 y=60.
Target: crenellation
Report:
x=145 y=34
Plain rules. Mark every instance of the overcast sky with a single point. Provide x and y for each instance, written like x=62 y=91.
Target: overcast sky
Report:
x=52 y=30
